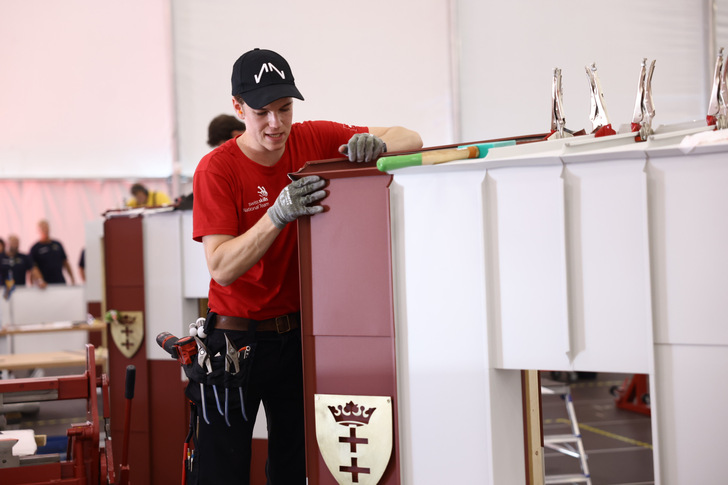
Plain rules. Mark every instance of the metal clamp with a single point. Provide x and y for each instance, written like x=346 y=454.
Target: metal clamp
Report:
x=598 y=114
x=718 y=109
x=558 y=121
x=644 y=108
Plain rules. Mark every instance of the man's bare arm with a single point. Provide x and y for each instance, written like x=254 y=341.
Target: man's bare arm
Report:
x=229 y=257
x=397 y=138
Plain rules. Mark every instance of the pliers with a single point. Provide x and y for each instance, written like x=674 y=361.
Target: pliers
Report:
x=203 y=359
x=232 y=359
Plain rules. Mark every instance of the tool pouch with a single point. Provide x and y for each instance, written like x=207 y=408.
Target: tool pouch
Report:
x=240 y=379
x=219 y=377
x=197 y=375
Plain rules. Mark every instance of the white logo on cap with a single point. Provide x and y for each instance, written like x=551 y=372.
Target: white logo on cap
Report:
x=268 y=67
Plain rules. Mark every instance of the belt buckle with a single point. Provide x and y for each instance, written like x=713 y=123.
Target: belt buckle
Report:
x=287 y=324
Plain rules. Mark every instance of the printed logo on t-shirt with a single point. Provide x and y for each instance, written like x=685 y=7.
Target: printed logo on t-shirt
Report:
x=260 y=203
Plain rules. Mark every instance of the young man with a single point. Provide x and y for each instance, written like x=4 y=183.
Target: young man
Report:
x=244 y=207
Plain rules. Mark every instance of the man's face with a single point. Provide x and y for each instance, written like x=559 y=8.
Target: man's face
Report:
x=13 y=245
x=268 y=128
x=43 y=229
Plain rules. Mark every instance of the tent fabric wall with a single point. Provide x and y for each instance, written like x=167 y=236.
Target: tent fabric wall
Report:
x=66 y=204
x=509 y=51
x=86 y=89
x=378 y=63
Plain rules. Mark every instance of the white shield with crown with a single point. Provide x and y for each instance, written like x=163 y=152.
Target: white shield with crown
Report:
x=355 y=436
x=127 y=330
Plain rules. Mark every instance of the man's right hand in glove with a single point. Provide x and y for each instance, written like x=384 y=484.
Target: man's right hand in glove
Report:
x=295 y=200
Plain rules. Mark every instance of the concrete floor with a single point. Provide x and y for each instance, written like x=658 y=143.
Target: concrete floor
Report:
x=618 y=442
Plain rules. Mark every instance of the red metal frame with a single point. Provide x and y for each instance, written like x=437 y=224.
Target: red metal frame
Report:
x=86 y=463
x=632 y=394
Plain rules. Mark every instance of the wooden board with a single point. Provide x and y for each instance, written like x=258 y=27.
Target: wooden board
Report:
x=63 y=358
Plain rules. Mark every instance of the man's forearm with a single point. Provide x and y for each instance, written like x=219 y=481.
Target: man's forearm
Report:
x=398 y=138
x=70 y=273
x=230 y=257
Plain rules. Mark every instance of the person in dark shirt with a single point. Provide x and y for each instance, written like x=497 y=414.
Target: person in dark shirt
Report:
x=50 y=257
x=16 y=266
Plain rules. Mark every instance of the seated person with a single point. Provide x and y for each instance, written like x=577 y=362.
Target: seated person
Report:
x=144 y=197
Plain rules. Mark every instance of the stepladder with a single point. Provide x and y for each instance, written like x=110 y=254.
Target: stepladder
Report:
x=570 y=443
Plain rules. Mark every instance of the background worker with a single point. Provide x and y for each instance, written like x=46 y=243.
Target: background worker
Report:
x=144 y=197
x=15 y=266
x=222 y=128
x=50 y=257
x=243 y=213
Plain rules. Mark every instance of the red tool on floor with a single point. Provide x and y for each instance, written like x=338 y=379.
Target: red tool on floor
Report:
x=633 y=394
x=86 y=463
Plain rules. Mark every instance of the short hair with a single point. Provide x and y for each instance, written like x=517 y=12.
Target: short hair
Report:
x=221 y=129
x=138 y=188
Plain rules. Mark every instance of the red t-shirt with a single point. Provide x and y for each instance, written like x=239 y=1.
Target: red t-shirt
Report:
x=232 y=193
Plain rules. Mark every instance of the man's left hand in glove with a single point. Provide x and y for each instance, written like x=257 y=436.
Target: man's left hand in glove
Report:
x=363 y=147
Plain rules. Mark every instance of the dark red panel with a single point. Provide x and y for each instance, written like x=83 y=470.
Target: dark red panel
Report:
x=346 y=299
x=168 y=420
x=124 y=263
x=257 y=462
x=350 y=255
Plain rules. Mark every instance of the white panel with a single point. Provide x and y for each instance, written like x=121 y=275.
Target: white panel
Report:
x=195 y=272
x=608 y=261
x=370 y=64
x=93 y=260
x=163 y=280
x=87 y=89
x=55 y=303
x=442 y=336
x=525 y=208
x=691 y=422
x=509 y=50
x=689 y=207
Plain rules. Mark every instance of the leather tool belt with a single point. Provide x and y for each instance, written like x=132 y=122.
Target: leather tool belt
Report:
x=281 y=324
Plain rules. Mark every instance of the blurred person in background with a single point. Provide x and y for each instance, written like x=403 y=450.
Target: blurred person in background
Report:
x=50 y=257
x=222 y=128
x=143 y=197
x=15 y=266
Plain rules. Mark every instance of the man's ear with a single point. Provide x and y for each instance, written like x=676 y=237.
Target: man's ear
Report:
x=238 y=109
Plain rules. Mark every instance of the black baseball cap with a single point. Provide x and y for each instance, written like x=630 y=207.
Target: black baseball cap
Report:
x=261 y=76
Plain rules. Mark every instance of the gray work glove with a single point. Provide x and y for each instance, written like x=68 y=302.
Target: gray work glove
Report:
x=364 y=147
x=293 y=201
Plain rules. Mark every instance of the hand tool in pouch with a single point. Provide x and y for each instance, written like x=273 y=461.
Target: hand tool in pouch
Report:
x=232 y=358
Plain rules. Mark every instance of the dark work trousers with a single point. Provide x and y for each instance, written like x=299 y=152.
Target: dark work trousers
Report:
x=222 y=453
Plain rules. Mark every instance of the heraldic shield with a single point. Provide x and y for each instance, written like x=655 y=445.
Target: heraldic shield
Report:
x=127 y=331
x=355 y=436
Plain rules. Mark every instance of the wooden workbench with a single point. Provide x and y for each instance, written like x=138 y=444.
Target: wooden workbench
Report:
x=61 y=358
